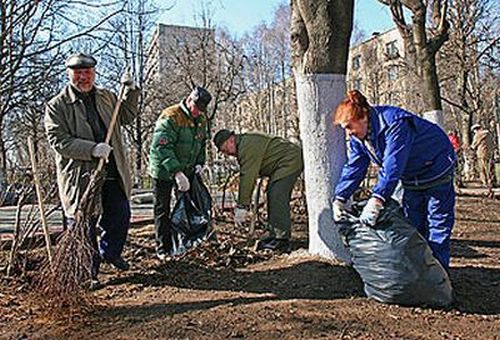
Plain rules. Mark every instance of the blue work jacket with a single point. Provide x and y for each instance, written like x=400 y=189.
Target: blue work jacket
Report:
x=405 y=146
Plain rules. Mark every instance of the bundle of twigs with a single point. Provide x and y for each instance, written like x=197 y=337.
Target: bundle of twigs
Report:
x=65 y=283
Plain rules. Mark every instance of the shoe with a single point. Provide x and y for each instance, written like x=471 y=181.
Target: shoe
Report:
x=275 y=244
x=95 y=284
x=118 y=263
x=161 y=256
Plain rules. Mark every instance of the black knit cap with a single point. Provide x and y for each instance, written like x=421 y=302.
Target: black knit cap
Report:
x=201 y=97
x=221 y=136
x=80 y=60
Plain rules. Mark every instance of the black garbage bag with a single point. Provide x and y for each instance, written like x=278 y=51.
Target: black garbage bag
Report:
x=394 y=260
x=191 y=217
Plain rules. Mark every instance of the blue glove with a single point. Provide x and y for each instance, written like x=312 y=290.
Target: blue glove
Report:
x=371 y=211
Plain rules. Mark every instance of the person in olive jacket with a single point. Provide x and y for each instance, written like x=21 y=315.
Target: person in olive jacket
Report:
x=76 y=122
x=261 y=155
x=177 y=153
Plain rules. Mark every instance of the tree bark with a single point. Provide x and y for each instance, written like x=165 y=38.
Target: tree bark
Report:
x=320 y=32
x=421 y=48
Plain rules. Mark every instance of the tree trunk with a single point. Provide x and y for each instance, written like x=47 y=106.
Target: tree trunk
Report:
x=431 y=95
x=3 y=153
x=423 y=43
x=320 y=40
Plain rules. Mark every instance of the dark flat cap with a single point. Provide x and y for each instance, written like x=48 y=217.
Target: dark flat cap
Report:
x=201 y=97
x=80 y=60
x=221 y=136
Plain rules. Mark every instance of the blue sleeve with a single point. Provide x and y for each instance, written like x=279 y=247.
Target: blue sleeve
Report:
x=353 y=171
x=399 y=139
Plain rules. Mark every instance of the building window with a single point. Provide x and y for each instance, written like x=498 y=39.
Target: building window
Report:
x=391 y=49
x=356 y=84
x=181 y=41
x=392 y=73
x=356 y=62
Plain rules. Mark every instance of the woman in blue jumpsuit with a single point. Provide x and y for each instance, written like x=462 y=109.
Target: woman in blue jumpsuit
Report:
x=407 y=148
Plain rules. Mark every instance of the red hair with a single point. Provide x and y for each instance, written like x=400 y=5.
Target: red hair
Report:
x=354 y=107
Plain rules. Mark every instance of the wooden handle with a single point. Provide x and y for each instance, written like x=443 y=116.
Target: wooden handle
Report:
x=36 y=180
x=112 y=124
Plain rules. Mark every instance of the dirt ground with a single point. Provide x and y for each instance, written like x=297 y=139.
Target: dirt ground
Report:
x=225 y=290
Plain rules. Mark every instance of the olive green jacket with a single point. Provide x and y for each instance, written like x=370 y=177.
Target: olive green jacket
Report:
x=261 y=155
x=71 y=137
x=178 y=143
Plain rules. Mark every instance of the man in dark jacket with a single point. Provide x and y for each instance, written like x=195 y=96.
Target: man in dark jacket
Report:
x=177 y=153
x=262 y=155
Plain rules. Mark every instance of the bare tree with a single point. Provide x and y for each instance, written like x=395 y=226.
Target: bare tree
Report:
x=269 y=102
x=320 y=32
x=32 y=36
x=421 y=45
x=468 y=64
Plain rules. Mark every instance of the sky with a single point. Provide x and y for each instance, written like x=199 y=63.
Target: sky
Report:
x=240 y=16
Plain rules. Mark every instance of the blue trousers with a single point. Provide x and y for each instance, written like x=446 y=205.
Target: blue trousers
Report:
x=432 y=212
x=112 y=225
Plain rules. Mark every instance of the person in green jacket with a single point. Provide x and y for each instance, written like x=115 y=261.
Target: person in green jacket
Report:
x=261 y=155
x=177 y=153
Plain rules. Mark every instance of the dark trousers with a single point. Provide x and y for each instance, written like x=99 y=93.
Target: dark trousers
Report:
x=113 y=225
x=115 y=220
x=162 y=191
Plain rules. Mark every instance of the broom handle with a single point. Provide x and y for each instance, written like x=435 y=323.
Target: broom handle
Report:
x=41 y=207
x=112 y=124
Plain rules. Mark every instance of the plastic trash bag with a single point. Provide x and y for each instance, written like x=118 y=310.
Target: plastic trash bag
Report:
x=394 y=260
x=191 y=217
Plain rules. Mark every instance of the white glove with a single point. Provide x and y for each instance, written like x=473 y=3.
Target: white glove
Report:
x=240 y=215
x=198 y=169
x=339 y=209
x=182 y=181
x=127 y=79
x=371 y=211
x=101 y=150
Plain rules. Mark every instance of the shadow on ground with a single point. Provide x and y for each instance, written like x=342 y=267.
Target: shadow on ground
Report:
x=476 y=289
x=308 y=280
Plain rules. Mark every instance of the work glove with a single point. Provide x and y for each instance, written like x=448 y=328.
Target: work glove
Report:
x=371 y=211
x=182 y=181
x=101 y=150
x=127 y=79
x=240 y=215
x=198 y=169
x=339 y=210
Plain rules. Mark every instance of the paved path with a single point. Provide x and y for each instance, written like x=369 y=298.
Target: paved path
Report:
x=141 y=204
x=142 y=213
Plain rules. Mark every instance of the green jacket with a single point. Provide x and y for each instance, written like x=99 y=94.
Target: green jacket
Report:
x=71 y=137
x=262 y=155
x=178 y=143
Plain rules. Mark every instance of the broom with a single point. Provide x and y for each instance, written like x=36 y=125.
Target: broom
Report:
x=62 y=284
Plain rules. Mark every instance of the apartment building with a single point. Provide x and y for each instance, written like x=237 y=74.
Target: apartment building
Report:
x=376 y=67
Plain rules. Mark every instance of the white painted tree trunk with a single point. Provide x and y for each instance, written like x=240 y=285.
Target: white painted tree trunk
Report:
x=435 y=116
x=324 y=156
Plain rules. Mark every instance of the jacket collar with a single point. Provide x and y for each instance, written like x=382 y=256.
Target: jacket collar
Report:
x=377 y=123
x=185 y=109
x=72 y=94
